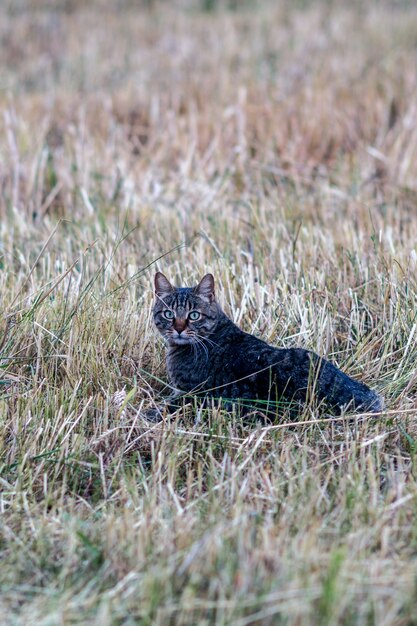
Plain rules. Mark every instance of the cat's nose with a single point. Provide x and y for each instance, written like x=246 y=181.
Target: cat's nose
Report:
x=180 y=325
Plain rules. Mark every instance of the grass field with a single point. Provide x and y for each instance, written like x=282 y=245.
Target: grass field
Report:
x=275 y=145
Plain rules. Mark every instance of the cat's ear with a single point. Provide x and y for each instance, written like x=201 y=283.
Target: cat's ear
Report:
x=205 y=287
x=162 y=285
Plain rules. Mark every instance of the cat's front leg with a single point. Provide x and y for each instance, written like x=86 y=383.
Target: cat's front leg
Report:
x=168 y=407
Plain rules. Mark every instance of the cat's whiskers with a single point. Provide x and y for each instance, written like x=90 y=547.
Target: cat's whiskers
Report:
x=198 y=342
x=204 y=338
x=196 y=348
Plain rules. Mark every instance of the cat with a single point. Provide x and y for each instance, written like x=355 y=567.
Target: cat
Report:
x=209 y=355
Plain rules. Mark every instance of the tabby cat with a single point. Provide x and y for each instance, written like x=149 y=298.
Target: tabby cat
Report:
x=209 y=355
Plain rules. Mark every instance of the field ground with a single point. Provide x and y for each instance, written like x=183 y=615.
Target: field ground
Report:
x=274 y=144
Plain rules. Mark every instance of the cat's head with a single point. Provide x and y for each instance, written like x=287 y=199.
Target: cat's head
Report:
x=185 y=315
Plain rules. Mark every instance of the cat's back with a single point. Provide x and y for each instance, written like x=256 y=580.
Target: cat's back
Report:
x=247 y=352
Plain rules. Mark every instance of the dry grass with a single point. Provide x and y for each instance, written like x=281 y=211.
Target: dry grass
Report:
x=275 y=146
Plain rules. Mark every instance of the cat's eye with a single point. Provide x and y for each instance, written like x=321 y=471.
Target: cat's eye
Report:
x=169 y=315
x=194 y=315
